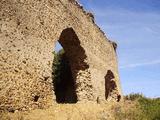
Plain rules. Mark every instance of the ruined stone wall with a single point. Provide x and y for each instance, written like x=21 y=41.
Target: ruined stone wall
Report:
x=29 y=30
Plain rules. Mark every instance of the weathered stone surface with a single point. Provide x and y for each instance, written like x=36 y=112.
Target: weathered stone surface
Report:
x=29 y=30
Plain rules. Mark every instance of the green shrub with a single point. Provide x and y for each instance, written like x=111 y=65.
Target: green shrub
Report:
x=63 y=82
x=144 y=109
x=150 y=107
x=58 y=66
x=133 y=96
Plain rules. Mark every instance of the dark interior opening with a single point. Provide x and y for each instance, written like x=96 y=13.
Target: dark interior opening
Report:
x=36 y=97
x=109 y=83
x=64 y=84
x=118 y=98
x=111 y=87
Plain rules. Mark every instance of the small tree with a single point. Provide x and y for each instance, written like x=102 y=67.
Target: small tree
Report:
x=64 y=85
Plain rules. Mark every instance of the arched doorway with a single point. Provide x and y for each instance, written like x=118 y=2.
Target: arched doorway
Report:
x=71 y=60
x=111 y=87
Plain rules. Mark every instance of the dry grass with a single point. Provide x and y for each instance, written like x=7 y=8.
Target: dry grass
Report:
x=87 y=111
x=139 y=108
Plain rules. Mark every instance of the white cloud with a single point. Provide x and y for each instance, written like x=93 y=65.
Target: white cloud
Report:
x=154 y=62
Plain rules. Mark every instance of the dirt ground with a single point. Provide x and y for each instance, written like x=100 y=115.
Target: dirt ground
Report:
x=85 y=111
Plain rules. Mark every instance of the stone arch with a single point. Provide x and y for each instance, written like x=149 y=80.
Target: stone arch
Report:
x=111 y=89
x=77 y=67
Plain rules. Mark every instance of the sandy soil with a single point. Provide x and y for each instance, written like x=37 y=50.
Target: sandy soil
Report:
x=85 y=111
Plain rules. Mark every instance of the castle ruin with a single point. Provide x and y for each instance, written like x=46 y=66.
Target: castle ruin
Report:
x=29 y=30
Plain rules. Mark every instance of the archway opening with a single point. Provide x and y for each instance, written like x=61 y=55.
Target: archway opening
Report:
x=66 y=65
x=111 y=87
x=64 y=84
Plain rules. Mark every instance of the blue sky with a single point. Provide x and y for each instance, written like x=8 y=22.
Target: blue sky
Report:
x=135 y=26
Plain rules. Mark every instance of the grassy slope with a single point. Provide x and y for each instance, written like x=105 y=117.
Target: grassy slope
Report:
x=148 y=109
